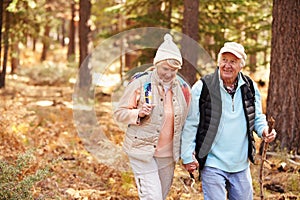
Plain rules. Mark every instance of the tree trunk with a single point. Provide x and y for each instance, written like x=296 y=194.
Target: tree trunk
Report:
x=15 y=57
x=190 y=28
x=84 y=41
x=63 y=32
x=6 y=46
x=84 y=29
x=154 y=11
x=253 y=56
x=58 y=34
x=170 y=8
x=283 y=94
x=34 y=40
x=46 y=42
x=1 y=19
x=71 y=45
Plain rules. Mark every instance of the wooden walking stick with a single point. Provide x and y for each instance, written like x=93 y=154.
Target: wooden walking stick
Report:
x=271 y=123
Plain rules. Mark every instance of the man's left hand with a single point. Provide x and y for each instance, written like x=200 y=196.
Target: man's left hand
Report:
x=269 y=137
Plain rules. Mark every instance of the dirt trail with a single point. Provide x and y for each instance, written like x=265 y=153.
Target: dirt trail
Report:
x=41 y=117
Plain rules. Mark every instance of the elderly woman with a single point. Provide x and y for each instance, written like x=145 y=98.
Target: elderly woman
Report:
x=155 y=106
x=224 y=112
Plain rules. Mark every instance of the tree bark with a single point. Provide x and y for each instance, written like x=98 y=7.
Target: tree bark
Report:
x=46 y=36
x=84 y=29
x=63 y=32
x=6 y=46
x=170 y=8
x=84 y=40
x=46 y=42
x=283 y=94
x=1 y=20
x=154 y=12
x=190 y=28
x=253 y=56
x=71 y=45
x=15 y=57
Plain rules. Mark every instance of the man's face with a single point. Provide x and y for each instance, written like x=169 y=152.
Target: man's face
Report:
x=165 y=72
x=230 y=66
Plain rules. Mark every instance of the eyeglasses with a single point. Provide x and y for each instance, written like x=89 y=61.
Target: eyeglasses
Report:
x=230 y=62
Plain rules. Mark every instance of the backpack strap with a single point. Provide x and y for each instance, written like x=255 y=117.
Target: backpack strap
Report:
x=138 y=75
x=147 y=85
x=185 y=89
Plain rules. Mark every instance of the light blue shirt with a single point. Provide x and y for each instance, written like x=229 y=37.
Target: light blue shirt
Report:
x=229 y=151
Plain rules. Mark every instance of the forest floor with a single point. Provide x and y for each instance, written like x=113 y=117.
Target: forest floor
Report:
x=39 y=116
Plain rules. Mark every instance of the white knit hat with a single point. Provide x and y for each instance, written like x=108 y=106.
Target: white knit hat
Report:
x=236 y=49
x=168 y=50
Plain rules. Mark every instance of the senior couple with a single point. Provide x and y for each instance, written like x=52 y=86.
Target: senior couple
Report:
x=210 y=126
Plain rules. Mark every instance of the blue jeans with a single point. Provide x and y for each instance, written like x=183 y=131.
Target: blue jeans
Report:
x=218 y=185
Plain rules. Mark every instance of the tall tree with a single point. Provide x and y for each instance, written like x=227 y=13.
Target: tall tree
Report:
x=47 y=28
x=154 y=12
x=84 y=29
x=283 y=94
x=72 y=29
x=6 y=45
x=190 y=28
x=1 y=20
x=247 y=22
x=63 y=32
x=84 y=43
x=46 y=42
x=14 y=56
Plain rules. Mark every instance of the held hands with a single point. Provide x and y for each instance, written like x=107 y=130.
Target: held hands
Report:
x=190 y=167
x=268 y=137
x=146 y=109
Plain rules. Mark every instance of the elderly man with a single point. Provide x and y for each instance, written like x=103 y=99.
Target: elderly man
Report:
x=225 y=110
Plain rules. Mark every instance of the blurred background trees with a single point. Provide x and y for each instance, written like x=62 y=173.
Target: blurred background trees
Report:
x=78 y=25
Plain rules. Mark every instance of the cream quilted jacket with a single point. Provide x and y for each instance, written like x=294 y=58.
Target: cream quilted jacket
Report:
x=142 y=136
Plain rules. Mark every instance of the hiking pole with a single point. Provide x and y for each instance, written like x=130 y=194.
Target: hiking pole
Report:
x=271 y=123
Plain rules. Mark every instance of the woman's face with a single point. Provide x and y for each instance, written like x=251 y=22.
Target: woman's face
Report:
x=230 y=66
x=165 y=72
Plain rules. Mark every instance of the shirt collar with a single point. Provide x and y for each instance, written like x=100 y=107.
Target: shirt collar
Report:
x=240 y=80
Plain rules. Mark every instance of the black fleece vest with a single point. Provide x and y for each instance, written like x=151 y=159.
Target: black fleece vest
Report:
x=210 y=107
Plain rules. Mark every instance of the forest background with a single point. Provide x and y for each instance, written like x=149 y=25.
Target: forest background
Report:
x=58 y=138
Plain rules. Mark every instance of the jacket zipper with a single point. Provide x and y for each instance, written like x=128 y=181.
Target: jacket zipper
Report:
x=232 y=101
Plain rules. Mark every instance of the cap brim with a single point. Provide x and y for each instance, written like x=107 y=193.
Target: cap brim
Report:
x=228 y=50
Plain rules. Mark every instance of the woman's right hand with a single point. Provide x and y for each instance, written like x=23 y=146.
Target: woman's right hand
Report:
x=145 y=110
